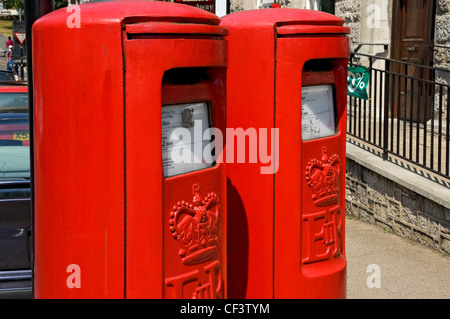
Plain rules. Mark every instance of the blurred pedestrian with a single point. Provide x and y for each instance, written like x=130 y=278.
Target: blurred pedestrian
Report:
x=9 y=54
x=9 y=43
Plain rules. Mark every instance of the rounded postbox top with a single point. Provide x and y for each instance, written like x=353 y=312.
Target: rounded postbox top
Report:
x=281 y=16
x=101 y=12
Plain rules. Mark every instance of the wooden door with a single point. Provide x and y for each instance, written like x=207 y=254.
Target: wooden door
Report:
x=413 y=33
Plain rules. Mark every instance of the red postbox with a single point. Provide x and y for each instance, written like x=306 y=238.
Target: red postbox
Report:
x=124 y=207
x=287 y=71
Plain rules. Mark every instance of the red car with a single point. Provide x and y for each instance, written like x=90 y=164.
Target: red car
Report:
x=15 y=206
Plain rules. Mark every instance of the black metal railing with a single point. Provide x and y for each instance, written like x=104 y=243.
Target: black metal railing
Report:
x=407 y=113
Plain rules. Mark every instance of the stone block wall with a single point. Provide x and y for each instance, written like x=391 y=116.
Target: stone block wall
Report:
x=442 y=54
x=350 y=11
x=377 y=200
x=442 y=35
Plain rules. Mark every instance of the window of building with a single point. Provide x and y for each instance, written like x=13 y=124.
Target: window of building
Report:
x=313 y=4
x=321 y=5
x=328 y=6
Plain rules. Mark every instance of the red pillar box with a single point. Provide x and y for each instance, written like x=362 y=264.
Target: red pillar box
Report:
x=130 y=195
x=287 y=71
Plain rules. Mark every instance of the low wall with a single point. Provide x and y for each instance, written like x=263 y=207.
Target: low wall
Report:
x=397 y=200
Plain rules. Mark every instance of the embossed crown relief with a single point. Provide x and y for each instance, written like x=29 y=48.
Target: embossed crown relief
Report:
x=323 y=178
x=195 y=228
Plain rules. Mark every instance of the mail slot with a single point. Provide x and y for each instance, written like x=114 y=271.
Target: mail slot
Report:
x=287 y=71
x=130 y=198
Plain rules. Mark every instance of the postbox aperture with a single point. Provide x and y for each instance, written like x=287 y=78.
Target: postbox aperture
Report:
x=188 y=132
x=194 y=210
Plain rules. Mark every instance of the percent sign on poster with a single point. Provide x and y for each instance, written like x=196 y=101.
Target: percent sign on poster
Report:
x=357 y=82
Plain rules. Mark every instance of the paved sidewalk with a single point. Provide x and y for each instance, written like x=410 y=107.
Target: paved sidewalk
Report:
x=407 y=270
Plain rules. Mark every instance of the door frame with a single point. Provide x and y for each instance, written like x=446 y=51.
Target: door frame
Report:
x=425 y=94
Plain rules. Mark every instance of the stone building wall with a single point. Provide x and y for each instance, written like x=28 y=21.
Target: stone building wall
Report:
x=442 y=55
x=442 y=34
x=350 y=11
x=442 y=38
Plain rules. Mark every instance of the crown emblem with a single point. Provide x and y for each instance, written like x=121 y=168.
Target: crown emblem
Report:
x=323 y=178
x=194 y=227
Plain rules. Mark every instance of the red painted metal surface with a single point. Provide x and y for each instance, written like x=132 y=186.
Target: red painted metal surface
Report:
x=144 y=275
x=291 y=241
x=101 y=201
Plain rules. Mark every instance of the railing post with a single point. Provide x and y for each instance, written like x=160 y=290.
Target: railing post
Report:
x=405 y=92
x=447 y=133
x=386 y=110
x=369 y=89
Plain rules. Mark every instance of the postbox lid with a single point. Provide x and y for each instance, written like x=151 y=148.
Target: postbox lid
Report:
x=287 y=21
x=134 y=11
